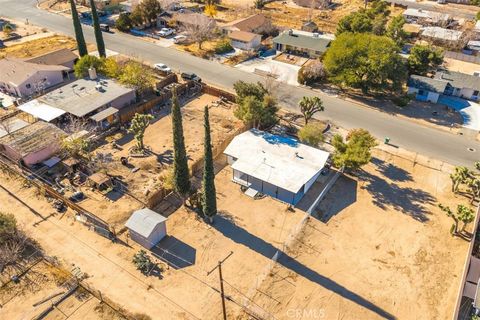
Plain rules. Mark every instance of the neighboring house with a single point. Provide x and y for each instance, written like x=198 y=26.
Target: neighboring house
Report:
x=245 y=40
x=445 y=82
x=303 y=43
x=32 y=144
x=421 y=16
x=24 y=79
x=147 y=227
x=278 y=166
x=441 y=34
x=98 y=100
x=61 y=57
x=253 y=24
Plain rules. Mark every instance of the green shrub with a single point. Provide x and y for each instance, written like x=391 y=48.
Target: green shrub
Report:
x=311 y=134
x=402 y=101
x=223 y=46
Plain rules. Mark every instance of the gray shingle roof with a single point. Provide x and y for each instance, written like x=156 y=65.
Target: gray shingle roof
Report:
x=297 y=39
x=426 y=83
x=458 y=79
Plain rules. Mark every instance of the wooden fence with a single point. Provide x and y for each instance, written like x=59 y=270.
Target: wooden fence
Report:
x=89 y=218
x=217 y=92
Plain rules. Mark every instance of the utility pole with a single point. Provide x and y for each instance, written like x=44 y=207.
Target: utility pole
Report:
x=222 y=292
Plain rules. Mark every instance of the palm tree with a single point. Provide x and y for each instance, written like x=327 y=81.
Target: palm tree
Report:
x=309 y=106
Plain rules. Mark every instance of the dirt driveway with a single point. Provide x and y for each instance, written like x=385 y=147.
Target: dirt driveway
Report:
x=385 y=251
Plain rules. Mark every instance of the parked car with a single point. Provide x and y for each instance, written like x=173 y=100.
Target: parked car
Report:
x=179 y=39
x=104 y=27
x=165 y=32
x=162 y=67
x=191 y=76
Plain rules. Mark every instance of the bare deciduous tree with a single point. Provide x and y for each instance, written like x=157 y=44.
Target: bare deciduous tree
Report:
x=200 y=29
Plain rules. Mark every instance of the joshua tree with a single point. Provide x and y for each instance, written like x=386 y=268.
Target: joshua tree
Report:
x=463 y=214
x=98 y=31
x=309 y=106
x=459 y=177
x=82 y=47
x=180 y=159
x=140 y=122
x=209 y=197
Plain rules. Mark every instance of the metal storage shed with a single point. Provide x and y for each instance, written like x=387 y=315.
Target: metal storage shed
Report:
x=147 y=227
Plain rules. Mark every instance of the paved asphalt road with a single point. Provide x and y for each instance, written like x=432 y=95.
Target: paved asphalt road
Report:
x=403 y=133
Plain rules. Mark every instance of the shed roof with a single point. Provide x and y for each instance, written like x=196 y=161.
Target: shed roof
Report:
x=57 y=57
x=243 y=36
x=104 y=114
x=303 y=39
x=99 y=178
x=144 y=221
x=41 y=110
x=33 y=138
x=281 y=161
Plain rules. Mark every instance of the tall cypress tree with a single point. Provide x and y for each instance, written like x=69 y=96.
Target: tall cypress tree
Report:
x=180 y=161
x=82 y=47
x=209 y=195
x=97 y=30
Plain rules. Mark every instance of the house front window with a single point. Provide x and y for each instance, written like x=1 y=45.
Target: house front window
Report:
x=475 y=93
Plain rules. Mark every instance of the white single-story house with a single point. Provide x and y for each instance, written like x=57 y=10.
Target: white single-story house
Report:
x=245 y=40
x=274 y=165
x=147 y=227
x=447 y=83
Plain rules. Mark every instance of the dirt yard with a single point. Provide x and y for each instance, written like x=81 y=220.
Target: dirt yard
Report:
x=23 y=300
x=290 y=15
x=252 y=229
x=158 y=138
x=38 y=46
x=384 y=252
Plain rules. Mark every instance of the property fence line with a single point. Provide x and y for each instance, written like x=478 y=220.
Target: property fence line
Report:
x=291 y=237
x=466 y=266
x=46 y=189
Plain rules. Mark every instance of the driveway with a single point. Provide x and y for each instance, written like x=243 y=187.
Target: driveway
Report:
x=469 y=110
x=286 y=73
